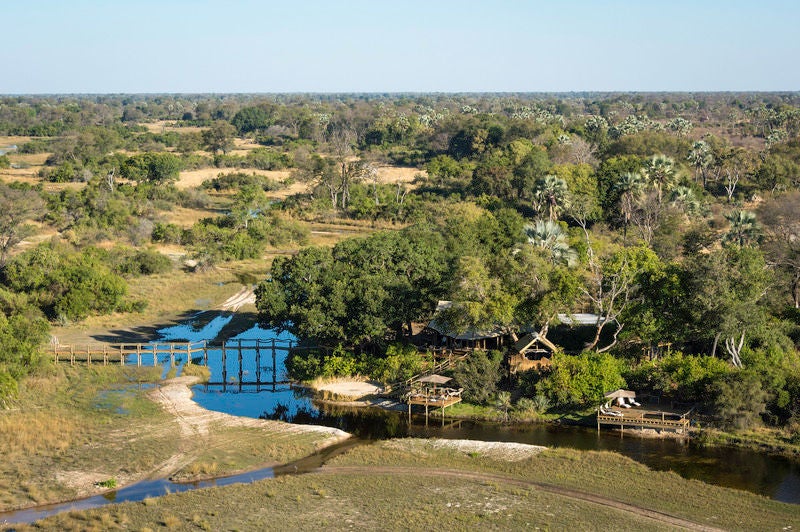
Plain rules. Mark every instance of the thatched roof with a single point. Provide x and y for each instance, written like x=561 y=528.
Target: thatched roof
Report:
x=620 y=393
x=435 y=379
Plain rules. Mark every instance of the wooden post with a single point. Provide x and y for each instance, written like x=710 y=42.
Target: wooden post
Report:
x=121 y=355
x=88 y=355
x=139 y=355
x=205 y=353
x=72 y=355
x=55 y=353
x=155 y=355
x=274 y=367
x=258 y=364
x=224 y=367
x=171 y=355
x=105 y=355
x=240 y=365
x=598 y=421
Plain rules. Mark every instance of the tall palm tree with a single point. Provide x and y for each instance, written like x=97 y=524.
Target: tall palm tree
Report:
x=550 y=236
x=744 y=229
x=685 y=199
x=630 y=187
x=701 y=157
x=661 y=172
x=551 y=191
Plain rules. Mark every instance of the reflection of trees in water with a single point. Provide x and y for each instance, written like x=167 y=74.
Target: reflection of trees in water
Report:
x=303 y=415
x=279 y=413
x=368 y=424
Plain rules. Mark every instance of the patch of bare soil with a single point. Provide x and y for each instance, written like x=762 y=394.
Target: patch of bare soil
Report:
x=351 y=389
x=497 y=450
x=175 y=396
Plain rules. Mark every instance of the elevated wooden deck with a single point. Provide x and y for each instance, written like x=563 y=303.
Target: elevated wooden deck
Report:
x=637 y=418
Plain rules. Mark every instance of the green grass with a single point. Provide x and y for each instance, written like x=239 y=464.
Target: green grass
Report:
x=77 y=427
x=343 y=502
x=419 y=498
x=69 y=421
x=235 y=449
x=766 y=440
x=602 y=473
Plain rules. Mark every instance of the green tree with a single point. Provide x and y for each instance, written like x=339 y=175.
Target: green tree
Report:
x=479 y=375
x=480 y=302
x=724 y=298
x=660 y=171
x=581 y=380
x=535 y=165
x=156 y=168
x=551 y=193
x=253 y=118
x=219 y=137
x=744 y=229
x=550 y=236
x=740 y=399
x=17 y=207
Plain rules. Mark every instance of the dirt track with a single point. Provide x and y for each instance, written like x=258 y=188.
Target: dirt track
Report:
x=654 y=515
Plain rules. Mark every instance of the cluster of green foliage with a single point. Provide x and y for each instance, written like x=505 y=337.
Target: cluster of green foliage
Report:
x=237 y=180
x=67 y=285
x=530 y=206
x=398 y=363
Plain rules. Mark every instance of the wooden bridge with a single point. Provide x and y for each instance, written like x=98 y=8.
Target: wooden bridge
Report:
x=237 y=360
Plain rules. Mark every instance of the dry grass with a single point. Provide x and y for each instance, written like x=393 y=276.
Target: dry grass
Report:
x=398 y=174
x=185 y=217
x=195 y=370
x=60 y=440
x=11 y=140
x=162 y=126
x=171 y=297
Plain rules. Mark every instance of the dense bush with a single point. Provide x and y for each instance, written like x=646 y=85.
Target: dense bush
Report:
x=66 y=284
x=581 y=380
x=479 y=375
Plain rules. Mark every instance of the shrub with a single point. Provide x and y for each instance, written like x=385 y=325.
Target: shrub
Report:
x=581 y=380
x=740 y=399
x=8 y=388
x=402 y=362
x=479 y=375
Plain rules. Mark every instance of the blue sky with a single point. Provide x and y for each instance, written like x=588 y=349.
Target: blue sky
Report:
x=93 y=46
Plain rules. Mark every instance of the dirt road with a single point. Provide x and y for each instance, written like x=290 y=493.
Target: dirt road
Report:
x=654 y=515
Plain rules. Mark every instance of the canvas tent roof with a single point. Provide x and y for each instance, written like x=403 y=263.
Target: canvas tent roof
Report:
x=435 y=379
x=531 y=338
x=620 y=393
x=580 y=318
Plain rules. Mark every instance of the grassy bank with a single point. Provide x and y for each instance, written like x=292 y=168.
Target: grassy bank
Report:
x=74 y=429
x=72 y=426
x=766 y=440
x=171 y=298
x=410 y=484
